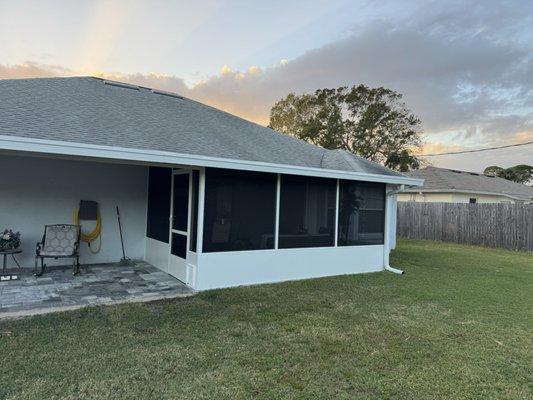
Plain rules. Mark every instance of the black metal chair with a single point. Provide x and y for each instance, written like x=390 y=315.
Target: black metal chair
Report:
x=59 y=241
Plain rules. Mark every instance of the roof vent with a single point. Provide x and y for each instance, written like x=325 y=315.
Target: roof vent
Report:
x=473 y=173
x=122 y=85
x=169 y=94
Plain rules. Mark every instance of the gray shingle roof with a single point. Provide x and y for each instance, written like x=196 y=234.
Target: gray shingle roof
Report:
x=446 y=180
x=93 y=111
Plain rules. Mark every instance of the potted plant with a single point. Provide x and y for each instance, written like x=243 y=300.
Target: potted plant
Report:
x=9 y=240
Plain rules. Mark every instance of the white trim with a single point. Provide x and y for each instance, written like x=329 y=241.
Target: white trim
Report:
x=337 y=197
x=276 y=229
x=201 y=209
x=386 y=231
x=16 y=143
x=146 y=210
x=175 y=262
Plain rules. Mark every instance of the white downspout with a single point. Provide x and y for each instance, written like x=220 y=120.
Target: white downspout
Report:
x=386 y=241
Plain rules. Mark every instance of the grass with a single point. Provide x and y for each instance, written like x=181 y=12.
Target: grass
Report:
x=458 y=325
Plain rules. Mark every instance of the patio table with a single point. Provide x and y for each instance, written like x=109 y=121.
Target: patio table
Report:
x=11 y=253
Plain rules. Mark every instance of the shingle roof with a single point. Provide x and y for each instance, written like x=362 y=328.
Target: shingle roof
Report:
x=446 y=180
x=94 y=111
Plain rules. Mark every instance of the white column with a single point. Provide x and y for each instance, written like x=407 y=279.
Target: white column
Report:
x=276 y=231
x=393 y=221
x=387 y=229
x=201 y=207
x=337 y=213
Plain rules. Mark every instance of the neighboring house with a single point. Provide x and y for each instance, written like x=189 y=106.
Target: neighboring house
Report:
x=208 y=197
x=454 y=186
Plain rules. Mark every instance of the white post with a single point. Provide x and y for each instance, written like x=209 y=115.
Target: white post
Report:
x=337 y=213
x=276 y=230
x=201 y=202
x=386 y=230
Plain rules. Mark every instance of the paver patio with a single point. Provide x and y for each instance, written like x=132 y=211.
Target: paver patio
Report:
x=98 y=284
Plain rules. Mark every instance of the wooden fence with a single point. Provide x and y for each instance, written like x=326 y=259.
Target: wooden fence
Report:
x=508 y=226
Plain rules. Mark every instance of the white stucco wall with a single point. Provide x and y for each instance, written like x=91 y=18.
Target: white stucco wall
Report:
x=481 y=198
x=157 y=253
x=428 y=197
x=38 y=191
x=232 y=268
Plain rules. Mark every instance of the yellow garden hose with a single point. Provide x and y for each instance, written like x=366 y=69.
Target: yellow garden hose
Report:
x=94 y=234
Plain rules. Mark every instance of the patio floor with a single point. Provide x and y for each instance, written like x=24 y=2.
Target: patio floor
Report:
x=59 y=290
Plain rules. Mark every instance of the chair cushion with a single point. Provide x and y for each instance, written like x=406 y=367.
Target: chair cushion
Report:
x=60 y=241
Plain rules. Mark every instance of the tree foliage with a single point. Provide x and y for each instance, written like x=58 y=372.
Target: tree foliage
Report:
x=371 y=122
x=519 y=173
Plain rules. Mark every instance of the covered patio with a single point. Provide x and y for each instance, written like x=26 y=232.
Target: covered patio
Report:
x=97 y=284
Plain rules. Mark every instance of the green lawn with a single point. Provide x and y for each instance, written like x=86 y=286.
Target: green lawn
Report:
x=459 y=324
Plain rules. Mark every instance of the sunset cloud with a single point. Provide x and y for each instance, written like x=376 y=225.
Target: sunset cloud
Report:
x=468 y=77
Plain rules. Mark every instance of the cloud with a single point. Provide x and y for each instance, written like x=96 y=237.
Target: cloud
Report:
x=32 y=70
x=466 y=68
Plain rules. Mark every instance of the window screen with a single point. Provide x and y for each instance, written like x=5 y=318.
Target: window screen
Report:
x=240 y=210
x=194 y=215
x=361 y=213
x=307 y=212
x=179 y=245
x=158 y=210
x=180 y=208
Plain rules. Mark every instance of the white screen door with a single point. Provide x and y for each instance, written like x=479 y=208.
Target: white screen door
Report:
x=180 y=222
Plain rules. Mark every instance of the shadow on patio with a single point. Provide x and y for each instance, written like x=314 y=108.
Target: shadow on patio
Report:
x=59 y=290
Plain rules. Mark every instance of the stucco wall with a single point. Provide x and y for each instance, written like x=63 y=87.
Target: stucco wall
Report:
x=232 y=268
x=38 y=191
x=452 y=198
x=481 y=198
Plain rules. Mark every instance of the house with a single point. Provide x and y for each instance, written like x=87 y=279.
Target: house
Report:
x=208 y=197
x=454 y=186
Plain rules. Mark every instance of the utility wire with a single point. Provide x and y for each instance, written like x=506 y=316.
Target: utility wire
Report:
x=475 y=151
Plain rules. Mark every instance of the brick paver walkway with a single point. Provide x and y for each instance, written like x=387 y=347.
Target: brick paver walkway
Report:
x=59 y=290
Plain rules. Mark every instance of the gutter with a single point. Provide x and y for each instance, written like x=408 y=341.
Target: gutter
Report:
x=386 y=250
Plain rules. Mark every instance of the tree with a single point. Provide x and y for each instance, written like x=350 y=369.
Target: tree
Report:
x=371 y=122
x=402 y=161
x=519 y=173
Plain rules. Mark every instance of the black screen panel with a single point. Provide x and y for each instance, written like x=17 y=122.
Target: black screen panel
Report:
x=307 y=212
x=240 y=210
x=180 y=208
x=158 y=210
x=179 y=245
x=194 y=215
x=361 y=213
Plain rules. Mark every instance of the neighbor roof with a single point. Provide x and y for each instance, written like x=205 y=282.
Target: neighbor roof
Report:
x=450 y=180
x=94 y=111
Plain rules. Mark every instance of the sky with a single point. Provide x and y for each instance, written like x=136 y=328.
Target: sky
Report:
x=464 y=67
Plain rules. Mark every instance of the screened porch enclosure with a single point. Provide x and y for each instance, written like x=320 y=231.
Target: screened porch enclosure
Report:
x=217 y=222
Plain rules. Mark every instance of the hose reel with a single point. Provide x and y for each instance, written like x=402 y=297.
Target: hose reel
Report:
x=89 y=211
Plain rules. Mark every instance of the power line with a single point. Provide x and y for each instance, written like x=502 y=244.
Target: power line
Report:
x=475 y=151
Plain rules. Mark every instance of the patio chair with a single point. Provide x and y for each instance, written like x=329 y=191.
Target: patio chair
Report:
x=59 y=241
